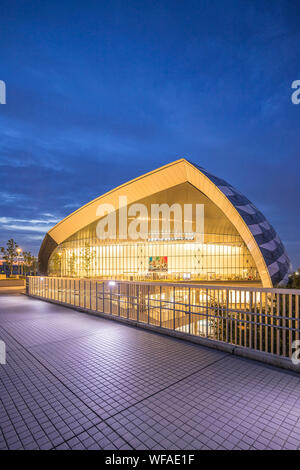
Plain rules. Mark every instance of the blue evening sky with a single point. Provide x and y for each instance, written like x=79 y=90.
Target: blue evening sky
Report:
x=99 y=92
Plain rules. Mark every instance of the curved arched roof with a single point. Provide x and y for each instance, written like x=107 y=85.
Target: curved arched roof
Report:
x=265 y=246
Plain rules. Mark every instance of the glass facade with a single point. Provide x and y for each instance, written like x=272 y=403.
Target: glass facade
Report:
x=218 y=253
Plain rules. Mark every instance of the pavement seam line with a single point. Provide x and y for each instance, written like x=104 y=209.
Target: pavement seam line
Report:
x=69 y=389
x=225 y=355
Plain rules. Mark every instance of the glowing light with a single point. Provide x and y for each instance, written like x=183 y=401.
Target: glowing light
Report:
x=186 y=275
x=112 y=283
x=198 y=260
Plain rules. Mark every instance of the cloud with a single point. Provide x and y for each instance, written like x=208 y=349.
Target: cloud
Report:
x=6 y=220
x=28 y=228
x=34 y=237
x=28 y=225
x=6 y=197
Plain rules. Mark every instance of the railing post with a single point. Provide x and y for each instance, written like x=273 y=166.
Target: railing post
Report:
x=127 y=300
x=190 y=316
x=110 y=295
x=137 y=302
x=148 y=304
x=266 y=322
x=250 y=319
x=189 y=307
x=283 y=324
x=103 y=302
x=227 y=308
x=96 y=290
x=174 y=312
x=290 y=325
x=272 y=323
x=84 y=294
x=160 y=306
x=297 y=320
x=277 y=324
x=206 y=328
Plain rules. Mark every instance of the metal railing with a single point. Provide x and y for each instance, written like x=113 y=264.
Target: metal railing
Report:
x=261 y=319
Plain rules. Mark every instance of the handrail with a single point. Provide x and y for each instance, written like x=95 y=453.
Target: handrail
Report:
x=259 y=319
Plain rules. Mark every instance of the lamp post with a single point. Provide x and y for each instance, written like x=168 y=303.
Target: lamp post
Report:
x=19 y=251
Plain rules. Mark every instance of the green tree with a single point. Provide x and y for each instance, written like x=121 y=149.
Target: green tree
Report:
x=258 y=327
x=29 y=261
x=10 y=253
x=35 y=266
x=56 y=263
x=87 y=255
x=294 y=280
x=71 y=264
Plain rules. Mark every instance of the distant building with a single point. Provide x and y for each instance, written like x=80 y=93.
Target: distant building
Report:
x=5 y=268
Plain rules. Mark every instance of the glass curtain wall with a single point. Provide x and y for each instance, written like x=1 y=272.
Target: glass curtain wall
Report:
x=224 y=258
x=221 y=255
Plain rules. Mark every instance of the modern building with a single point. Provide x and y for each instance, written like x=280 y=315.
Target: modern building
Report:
x=223 y=236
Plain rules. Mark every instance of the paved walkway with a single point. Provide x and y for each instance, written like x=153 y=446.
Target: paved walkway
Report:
x=74 y=381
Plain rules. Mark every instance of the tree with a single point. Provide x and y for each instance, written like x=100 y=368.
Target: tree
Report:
x=29 y=261
x=10 y=253
x=71 y=264
x=56 y=263
x=294 y=280
x=87 y=255
x=35 y=265
x=264 y=326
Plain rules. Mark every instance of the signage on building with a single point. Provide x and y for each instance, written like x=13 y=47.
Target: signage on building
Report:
x=158 y=263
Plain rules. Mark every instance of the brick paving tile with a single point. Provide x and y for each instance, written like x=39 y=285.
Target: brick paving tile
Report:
x=75 y=381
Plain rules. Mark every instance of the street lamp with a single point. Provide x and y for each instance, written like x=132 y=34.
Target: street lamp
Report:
x=19 y=251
